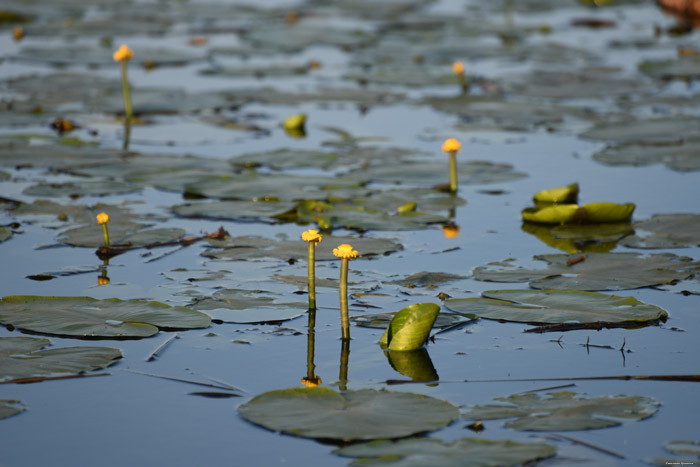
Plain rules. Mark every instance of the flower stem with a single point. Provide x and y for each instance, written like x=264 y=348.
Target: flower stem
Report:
x=127 y=96
x=463 y=83
x=310 y=346
x=344 y=361
x=453 y=171
x=344 y=319
x=312 y=275
x=106 y=234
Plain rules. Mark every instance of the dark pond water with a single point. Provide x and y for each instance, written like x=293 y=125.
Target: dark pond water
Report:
x=543 y=74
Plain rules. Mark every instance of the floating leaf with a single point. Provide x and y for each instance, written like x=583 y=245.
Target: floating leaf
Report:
x=668 y=130
x=285 y=159
x=89 y=317
x=410 y=327
x=93 y=55
x=10 y=407
x=235 y=210
x=298 y=36
x=557 y=306
x=120 y=234
x=5 y=234
x=320 y=412
x=590 y=213
x=684 y=447
x=682 y=157
x=564 y=411
x=382 y=320
x=249 y=306
x=23 y=357
x=417 y=452
x=682 y=68
x=565 y=194
x=427 y=279
x=82 y=188
x=598 y=271
x=250 y=247
x=666 y=231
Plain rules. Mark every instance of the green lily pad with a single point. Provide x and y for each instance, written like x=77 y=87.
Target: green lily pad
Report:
x=659 y=131
x=407 y=75
x=5 y=234
x=557 y=306
x=427 y=279
x=234 y=210
x=323 y=413
x=96 y=56
x=4 y=176
x=666 y=231
x=682 y=68
x=55 y=156
x=249 y=306
x=382 y=320
x=302 y=34
x=257 y=71
x=683 y=447
x=682 y=157
x=419 y=452
x=120 y=234
x=302 y=281
x=590 y=213
x=10 y=407
x=598 y=271
x=573 y=238
x=273 y=187
x=565 y=194
x=23 y=357
x=434 y=173
x=410 y=327
x=285 y=159
x=592 y=83
x=250 y=247
x=564 y=411
x=81 y=188
x=89 y=317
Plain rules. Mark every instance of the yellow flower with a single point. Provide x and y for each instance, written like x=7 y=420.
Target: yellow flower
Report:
x=345 y=251
x=102 y=218
x=123 y=53
x=102 y=280
x=312 y=235
x=311 y=382
x=451 y=145
x=458 y=68
x=451 y=230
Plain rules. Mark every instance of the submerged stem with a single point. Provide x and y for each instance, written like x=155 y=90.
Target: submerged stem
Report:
x=344 y=319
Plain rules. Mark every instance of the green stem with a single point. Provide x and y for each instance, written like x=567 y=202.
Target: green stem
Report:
x=127 y=135
x=344 y=319
x=310 y=346
x=106 y=234
x=127 y=96
x=463 y=83
x=312 y=275
x=453 y=171
x=344 y=360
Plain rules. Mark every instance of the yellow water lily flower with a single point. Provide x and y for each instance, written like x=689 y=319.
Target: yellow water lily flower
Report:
x=123 y=53
x=102 y=218
x=451 y=145
x=451 y=230
x=345 y=251
x=312 y=235
x=458 y=68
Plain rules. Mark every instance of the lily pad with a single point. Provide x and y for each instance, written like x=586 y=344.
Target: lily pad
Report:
x=573 y=238
x=683 y=447
x=419 y=452
x=557 y=306
x=434 y=173
x=235 y=210
x=285 y=159
x=666 y=231
x=95 y=56
x=300 y=35
x=427 y=279
x=302 y=281
x=683 y=68
x=249 y=306
x=598 y=271
x=23 y=357
x=382 y=320
x=410 y=327
x=82 y=188
x=120 y=234
x=89 y=317
x=10 y=407
x=659 y=131
x=683 y=157
x=259 y=71
x=251 y=247
x=590 y=213
x=564 y=411
x=565 y=194
x=322 y=413
x=5 y=234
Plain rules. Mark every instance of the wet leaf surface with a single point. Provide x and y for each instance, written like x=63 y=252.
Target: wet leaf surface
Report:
x=557 y=306
x=564 y=411
x=683 y=157
x=81 y=188
x=443 y=320
x=599 y=271
x=427 y=279
x=666 y=231
x=249 y=306
x=320 y=412
x=92 y=318
x=659 y=131
x=417 y=452
x=10 y=407
x=23 y=357
x=409 y=327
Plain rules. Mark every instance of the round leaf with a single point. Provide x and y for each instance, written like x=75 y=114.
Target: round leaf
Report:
x=410 y=327
x=320 y=412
